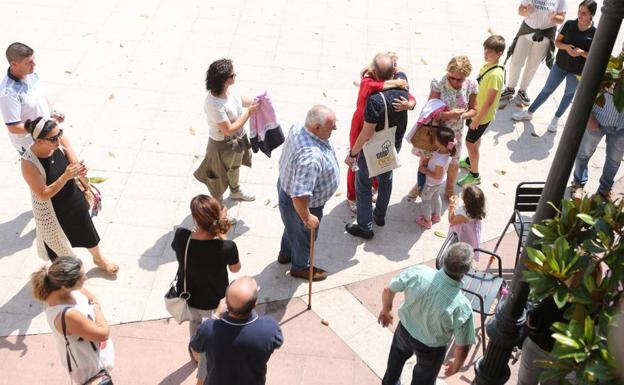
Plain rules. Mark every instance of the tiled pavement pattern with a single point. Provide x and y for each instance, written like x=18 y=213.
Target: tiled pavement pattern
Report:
x=129 y=76
x=342 y=352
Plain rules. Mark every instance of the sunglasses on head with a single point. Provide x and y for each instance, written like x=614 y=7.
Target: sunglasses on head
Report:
x=55 y=138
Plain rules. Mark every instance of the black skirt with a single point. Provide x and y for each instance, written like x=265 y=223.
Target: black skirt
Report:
x=70 y=206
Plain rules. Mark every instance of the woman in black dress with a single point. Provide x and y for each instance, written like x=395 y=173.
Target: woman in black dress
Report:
x=209 y=255
x=60 y=208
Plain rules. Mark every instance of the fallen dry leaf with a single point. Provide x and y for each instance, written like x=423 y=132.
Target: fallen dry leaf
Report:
x=143 y=16
x=111 y=97
x=338 y=194
x=490 y=31
x=97 y=179
x=267 y=202
x=424 y=61
x=501 y=172
x=111 y=154
x=324 y=94
x=275 y=205
x=495 y=184
x=192 y=131
x=440 y=234
x=68 y=72
x=324 y=322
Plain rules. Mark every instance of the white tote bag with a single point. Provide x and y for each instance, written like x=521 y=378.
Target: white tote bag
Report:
x=380 y=153
x=176 y=303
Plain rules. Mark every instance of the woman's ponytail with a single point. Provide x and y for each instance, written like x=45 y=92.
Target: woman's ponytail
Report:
x=38 y=281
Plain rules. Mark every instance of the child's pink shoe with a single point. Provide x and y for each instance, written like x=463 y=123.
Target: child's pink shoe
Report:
x=421 y=221
x=435 y=218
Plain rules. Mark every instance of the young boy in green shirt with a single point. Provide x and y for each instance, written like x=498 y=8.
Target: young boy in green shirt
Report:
x=491 y=80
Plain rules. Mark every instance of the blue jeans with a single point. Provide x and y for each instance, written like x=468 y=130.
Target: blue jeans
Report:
x=364 y=195
x=615 y=151
x=296 y=237
x=421 y=179
x=428 y=360
x=555 y=77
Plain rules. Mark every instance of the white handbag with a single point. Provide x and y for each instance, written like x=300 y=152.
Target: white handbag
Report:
x=380 y=153
x=176 y=303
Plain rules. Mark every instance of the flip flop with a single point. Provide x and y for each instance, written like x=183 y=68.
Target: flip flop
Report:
x=421 y=221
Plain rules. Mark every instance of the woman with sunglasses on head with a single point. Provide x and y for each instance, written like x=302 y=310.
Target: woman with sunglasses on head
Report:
x=61 y=210
x=228 y=146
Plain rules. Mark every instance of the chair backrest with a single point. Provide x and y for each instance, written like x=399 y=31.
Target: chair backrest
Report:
x=527 y=196
x=450 y=239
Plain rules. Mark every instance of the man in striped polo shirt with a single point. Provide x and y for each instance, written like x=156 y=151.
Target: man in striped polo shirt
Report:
x=434 y=311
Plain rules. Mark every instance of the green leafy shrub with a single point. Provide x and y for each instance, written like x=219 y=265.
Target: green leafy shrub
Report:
x=585 y=236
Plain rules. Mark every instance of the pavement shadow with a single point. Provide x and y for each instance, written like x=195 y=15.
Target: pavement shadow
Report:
x=180 y=375
x=530 y=145
x=21 y=309
x=12 y=230
x=502 y=124
x=161 y=249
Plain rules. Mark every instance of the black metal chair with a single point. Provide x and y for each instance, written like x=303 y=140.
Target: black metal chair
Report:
x=525 y=204
x=480 y=287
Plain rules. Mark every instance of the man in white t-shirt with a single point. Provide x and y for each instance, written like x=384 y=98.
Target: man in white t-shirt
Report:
x=21 y=96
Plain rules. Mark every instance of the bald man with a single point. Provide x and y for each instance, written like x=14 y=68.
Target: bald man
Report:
x=240 y=343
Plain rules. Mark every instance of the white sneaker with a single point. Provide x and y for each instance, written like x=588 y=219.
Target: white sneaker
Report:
x=241 y=196
x=554 y=123
x=521 y=116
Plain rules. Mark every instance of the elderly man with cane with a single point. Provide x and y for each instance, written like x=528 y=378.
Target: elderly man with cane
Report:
x=434 y=310
x=308 y=177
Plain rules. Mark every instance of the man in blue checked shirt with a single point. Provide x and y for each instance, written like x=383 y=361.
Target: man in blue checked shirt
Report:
x=608 y=122
x=308 y=177
x=434 y=311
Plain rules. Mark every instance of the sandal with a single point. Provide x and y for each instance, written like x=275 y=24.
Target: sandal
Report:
x=435 y=218
x=421 y=221
x=109 y=268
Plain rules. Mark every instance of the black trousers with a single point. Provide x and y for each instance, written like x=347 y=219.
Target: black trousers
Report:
x=428 y=360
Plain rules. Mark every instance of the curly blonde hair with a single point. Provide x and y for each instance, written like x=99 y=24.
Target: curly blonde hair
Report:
x=460 y=64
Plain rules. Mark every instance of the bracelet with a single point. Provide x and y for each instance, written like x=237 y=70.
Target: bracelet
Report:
x=351 y=155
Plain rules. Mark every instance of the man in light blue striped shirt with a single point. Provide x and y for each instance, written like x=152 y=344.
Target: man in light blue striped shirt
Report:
x=308 y=177
x=434 y=311
x=608 y=122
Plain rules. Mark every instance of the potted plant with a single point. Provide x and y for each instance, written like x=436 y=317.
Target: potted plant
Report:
x=584 y=236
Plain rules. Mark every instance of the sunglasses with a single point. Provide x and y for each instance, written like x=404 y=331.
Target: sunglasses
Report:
x=453 y=78
x=55 y=138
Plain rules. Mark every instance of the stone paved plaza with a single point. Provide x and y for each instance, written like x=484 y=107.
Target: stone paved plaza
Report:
x=129 y=75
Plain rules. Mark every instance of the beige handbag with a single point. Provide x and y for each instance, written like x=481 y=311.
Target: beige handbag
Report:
x=176 y=303
x=380 y=152
x=423 y=138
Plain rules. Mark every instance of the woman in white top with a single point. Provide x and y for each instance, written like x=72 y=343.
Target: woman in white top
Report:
x=530 y=48
x=90 y=353
x=228 y=146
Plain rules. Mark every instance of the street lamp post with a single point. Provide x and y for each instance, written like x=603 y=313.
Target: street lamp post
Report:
x=504 y=328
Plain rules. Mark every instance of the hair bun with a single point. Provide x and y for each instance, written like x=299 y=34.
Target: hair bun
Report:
x=29 y=126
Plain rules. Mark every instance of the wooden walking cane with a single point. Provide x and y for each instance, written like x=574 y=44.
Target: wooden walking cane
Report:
x=311 y=272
